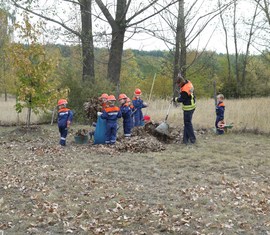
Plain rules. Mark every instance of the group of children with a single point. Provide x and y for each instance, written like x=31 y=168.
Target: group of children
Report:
x=130 y=111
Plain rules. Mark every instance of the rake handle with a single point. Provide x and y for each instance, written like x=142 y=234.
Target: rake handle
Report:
x=167 y=114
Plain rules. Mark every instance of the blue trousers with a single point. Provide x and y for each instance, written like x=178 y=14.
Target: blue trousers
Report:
x=63 y=135
x=138 y=117
x=111 y=131
x=127 y=127
x=189 y=135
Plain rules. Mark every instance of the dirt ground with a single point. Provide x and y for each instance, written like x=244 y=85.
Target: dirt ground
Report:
x=218 y=186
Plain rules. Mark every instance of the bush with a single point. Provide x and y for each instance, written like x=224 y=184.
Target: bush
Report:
x=80 y=92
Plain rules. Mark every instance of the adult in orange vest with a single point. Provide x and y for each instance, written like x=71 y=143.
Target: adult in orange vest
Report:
x=187 y=98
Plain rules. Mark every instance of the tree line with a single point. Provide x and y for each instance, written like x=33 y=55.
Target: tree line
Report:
x=238 y=72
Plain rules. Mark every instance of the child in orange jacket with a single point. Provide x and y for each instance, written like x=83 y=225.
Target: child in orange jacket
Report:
x=220 y=110
x=111 y=114
x=138 y=105
x=126 y=114
x=65 y=117
x=103 y=99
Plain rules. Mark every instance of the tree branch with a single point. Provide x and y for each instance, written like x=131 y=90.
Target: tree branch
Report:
x=77 y=3
x=142 y=10
x=107 y=14
x=46 y=18
x=217 y=12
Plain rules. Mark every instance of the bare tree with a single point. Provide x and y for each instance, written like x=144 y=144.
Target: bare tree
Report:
x=264 y=5
x=263 y=39
x=84 y=34
x=226 y=44
x=244 y=30
x=190 y=25
x=249 y=41
x=180 y=46
x=237 y=76
x=123 y=20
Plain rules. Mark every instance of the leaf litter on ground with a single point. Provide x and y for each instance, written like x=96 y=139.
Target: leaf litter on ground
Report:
x=82 y=189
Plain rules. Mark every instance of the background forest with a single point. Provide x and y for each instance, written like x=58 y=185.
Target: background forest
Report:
x=92 y=58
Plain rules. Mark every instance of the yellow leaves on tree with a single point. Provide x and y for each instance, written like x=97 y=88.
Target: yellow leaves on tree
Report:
x=36 y=87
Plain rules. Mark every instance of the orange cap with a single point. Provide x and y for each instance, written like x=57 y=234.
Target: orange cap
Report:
x=122 y=96
x=62 y=102
x=104 y=96
x=111 y=98
x=137 y=91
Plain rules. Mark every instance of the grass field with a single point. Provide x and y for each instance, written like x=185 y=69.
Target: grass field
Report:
x=250 y=115
x=9 y=116
x=218 y=186
x=246 y=114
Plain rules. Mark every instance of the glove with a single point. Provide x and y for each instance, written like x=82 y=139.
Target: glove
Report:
x=174 y=99
x=99 y=113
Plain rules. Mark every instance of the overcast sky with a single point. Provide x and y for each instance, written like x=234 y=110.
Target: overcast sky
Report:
x=212 y=37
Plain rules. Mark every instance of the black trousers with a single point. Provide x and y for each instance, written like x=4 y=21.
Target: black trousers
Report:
x=189 y=135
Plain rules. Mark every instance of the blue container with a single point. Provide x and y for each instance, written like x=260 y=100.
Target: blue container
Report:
x=99 y=136
x=81 y=139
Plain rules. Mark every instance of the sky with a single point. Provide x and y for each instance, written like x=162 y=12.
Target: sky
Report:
x=212 y=37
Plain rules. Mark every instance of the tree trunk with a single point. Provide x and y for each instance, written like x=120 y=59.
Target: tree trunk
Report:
x=87 y=41
x=85 y=35
x=176 y=68
x=115 y=59
x=236 y=51
x=5 y=94
x=28 y=118
x=226 y=45
x=245 y=62
x=117 y=43
x=180 y=47
x=183 y=46
x=119 y=24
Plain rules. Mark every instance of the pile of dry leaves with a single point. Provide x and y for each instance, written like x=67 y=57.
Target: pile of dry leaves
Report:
x=91 y=107
x=144 y=139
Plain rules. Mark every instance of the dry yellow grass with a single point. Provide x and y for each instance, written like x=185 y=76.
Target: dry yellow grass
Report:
x=9 y=116
x=245 y=114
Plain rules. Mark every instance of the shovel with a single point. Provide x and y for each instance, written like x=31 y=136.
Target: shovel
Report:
x=163 y=128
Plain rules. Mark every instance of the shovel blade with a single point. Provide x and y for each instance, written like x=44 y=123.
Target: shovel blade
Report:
x=163 y=128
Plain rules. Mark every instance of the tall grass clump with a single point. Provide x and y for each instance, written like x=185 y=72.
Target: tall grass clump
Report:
x=9 y=116
x=250 y=114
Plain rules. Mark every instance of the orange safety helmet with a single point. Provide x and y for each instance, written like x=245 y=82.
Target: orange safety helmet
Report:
x=111 y=98
x=104 y=96
x=62 y=102
x=137 y=91
x=122 y=96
